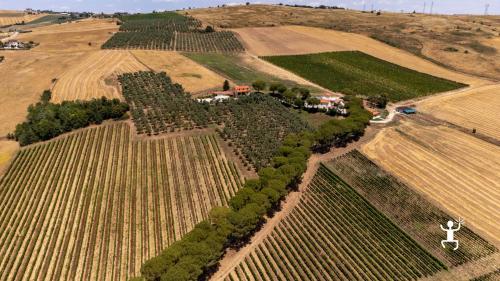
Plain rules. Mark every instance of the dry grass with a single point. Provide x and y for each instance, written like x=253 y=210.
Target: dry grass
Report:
x=423 y=35
x=7 y=151
x=459 y=172
x=476 y=108
x=25 y=74
x=191 y=75
x=95 y=76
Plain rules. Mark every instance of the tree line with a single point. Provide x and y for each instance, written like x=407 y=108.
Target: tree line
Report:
x=47 y=120
x=199 y=251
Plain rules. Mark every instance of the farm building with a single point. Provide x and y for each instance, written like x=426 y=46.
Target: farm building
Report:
x=14 y=44
x=241 y=90
x=328 y=102
x=217 y=98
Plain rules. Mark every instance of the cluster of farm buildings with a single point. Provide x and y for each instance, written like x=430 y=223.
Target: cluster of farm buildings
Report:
x=13 y=45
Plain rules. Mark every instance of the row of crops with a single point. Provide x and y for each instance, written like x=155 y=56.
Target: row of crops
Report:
x=171 y=31
x=410 y=210
x=94 y=205
x=357 y=73
x=254 y=125
x=335 y=234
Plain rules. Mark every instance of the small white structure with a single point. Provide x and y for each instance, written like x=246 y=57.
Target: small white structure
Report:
x=217 y=98
x=328 y=102
x=13 y=44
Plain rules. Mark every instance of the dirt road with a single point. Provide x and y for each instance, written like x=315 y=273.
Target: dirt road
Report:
x=234 y=258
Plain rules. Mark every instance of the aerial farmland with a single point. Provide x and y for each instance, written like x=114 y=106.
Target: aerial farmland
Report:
x=248 y=142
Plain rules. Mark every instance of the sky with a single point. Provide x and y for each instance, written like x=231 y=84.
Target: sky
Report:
x=439 y=6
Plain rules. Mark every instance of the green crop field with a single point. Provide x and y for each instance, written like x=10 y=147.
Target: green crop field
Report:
x=408 y=209
x=357 y=73
x=335 y=234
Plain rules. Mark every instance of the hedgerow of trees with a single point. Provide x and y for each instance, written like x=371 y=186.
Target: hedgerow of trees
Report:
x=47 y=120
x=198 y=252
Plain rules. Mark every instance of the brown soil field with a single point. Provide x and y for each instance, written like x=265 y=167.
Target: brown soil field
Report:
x=191 y=75
x=13 y=17
x=26 y=74
x=265 y=41
x=475 y=108
x=459 y=172
x=428 y=36
x=95 y=76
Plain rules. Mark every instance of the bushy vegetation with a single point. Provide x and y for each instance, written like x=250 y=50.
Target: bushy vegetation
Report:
x=198 y=252
x=47 y=120
x=170 y=31
x=357 y=73
x=408 y=209
x=254 y=125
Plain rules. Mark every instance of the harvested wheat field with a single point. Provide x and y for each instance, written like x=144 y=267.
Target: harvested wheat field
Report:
x=476 y=108
x=26 y=74
x=459 y=172
x=270 y=41
x=95 y=76
x=191 y=75
x=95 y=204
x=13 y=17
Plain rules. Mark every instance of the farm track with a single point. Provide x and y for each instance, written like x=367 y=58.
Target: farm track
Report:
x=314 y=241
x=96 y=204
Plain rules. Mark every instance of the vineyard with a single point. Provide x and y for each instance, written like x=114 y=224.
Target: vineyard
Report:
x=334 y=234
x=361 y=74
x=171 y=31
x=408 y=209
x=94 y=205
x=255 y=125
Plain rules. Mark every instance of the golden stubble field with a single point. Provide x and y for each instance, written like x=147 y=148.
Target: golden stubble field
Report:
x=475 y=38
x=457 y=171
x=476 y=108
x=8 y=17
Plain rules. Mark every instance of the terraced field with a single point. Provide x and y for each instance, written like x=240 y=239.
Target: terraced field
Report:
x=334 y=234
x=460 y=172
x=95 y=204
x=95 y=76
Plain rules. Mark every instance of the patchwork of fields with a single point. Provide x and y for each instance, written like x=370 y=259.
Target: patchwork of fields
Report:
x=99 y=203
x=335 y=234
x=361 y=74
x=458 y=171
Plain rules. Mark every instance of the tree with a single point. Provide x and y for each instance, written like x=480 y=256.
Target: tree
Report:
x=225 y=87
x=46 y=96
x=209 y=29
x=379 y=101
x=259 y=85
x=274 y=87
x=313 y=101
x=304 y=93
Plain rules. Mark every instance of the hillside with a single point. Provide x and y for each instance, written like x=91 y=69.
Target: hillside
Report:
x=446 y=40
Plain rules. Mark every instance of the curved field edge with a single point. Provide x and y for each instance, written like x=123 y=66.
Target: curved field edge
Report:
x=411 y=211
x=354 y=72
x=102 y=203
x=334 y=233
